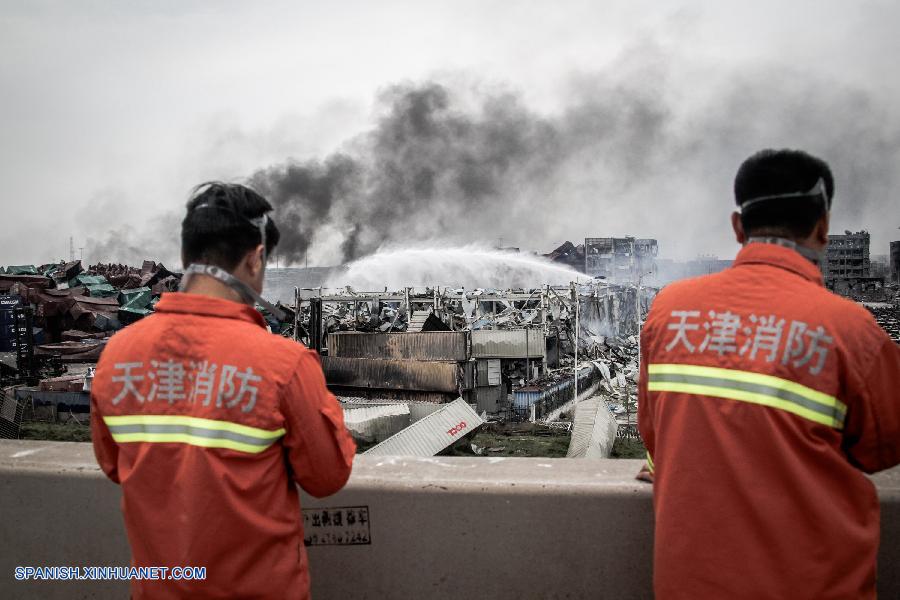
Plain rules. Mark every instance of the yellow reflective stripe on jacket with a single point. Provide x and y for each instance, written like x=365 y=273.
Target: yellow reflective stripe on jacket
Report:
x=746 y=386
x=195 y=431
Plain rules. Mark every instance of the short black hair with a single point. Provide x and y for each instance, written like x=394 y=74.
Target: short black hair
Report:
x=773 y=172
x=218 y=229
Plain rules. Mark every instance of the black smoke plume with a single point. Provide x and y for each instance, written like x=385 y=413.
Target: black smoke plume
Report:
x=623 y=157
x=638 y=149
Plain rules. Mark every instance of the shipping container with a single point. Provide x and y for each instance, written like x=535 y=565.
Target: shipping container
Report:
x=593 y=430
x=508 y=343
x=376 y=423
x=525 y=397
x=432 y=434
x=374 y=373
x=428 y=345
x=417 y=409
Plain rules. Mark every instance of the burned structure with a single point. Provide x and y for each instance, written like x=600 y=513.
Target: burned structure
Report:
x=509 y=353
x=625 y=259
x=847 y=256
x=848 y=267
x=408 y=361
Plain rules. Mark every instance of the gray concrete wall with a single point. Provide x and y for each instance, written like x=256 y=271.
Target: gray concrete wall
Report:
x=438 y=527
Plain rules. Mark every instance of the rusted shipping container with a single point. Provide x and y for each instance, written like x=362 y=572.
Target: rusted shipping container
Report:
x=375 y=373
x=428 y=345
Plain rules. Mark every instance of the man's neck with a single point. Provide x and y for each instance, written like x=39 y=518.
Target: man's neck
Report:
x=802 y=249
x=208 y=286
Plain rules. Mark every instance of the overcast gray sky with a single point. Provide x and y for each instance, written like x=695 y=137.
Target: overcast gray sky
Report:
x=111 y=111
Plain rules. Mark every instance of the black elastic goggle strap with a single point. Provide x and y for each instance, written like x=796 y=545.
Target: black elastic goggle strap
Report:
x=244 y=291
x=819 y=192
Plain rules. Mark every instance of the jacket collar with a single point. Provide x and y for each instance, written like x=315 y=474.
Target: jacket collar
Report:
x=781 y=257
x=197 y=304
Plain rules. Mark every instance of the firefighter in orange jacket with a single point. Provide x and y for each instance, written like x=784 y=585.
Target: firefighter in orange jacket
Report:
x=203 y=418
x=763 y=399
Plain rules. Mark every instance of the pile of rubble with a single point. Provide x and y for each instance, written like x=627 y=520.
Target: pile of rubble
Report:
x=362 y=317
x=75 y=310
x=608 y=308
x=888 y=316
x=617 y=359
x=570 y=255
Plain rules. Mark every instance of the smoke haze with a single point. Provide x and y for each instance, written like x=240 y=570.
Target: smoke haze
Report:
x=391 y=124
x=464 y=164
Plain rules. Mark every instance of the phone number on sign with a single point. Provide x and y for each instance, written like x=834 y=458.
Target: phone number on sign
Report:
x=110 y=573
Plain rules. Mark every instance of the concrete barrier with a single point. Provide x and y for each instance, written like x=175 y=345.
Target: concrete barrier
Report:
x=422 y=528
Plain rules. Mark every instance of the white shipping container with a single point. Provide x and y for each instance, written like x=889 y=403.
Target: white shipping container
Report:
x=376 y=422
x=432 y=434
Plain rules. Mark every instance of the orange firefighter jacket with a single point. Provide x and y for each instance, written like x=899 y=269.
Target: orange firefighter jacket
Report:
x=763 y=399
x=203 y=418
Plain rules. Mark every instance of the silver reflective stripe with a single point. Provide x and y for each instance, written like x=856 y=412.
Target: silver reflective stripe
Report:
x=190 y=430
x=748 y=386
x=835 y=412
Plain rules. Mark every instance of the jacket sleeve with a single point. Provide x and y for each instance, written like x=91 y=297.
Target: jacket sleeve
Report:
x=645 y=417
x=320 y=449
x=872 y=428
x=105 y=448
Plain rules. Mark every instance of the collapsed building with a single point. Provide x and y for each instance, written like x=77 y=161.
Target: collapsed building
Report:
x=848 y=268
x=511 y=355
x=394 y=359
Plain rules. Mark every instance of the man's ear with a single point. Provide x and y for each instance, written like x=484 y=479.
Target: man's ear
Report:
x=821 y=230
x=738 y=227
x=253 y=261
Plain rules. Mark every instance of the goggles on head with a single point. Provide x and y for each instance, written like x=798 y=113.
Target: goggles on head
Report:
x=818 y=191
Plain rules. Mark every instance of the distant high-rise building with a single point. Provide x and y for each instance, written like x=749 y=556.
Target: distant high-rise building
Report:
x=847 y=257
x=895 y=262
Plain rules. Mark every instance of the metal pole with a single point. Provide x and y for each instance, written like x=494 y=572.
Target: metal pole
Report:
x=296 y=314
x=638 y=318
x=527 y=361
x=575 y=293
